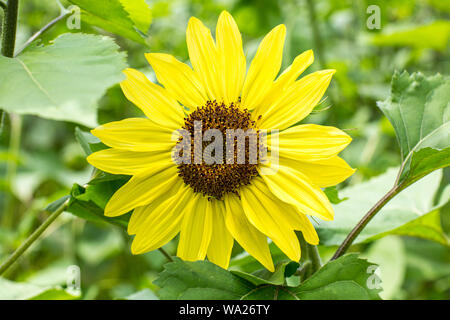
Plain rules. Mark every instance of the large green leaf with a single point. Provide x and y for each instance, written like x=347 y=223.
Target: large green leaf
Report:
x=199 y=280
x=61 y=81
x=411 y=212
x=344 y=278
x=419 y=109
x=10 y=290
x=127 y=18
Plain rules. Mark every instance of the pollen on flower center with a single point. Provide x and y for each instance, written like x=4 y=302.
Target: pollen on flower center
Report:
x=228 y=174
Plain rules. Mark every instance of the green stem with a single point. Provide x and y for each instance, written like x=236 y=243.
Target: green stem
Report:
x=165 y=254
x=314 y=256
x=11 y=165
x=33 y=237
x=365 y=220
x=64 y=13
x=318 y=42
x=9 y=28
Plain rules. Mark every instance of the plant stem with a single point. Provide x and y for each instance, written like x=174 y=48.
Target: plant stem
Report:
x=9 y=28
x=365 y=220
x=33 y=237
x=164 y=252
x=318 y=42
x=314 y=256
x=63 y=14
x=11 y=165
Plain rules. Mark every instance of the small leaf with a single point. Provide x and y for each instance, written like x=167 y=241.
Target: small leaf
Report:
x=425 y=161
x=333 y=195
x=86 y=206
x=88 y=142
x=121 y=17
x=56 y=204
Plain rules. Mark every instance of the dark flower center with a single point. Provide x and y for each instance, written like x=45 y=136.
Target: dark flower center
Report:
x=233 y=149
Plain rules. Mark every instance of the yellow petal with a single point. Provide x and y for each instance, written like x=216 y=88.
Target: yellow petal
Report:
x=204 y=58
x=155 y=101
x=285 y=80
x=142 y=189
x=322 y=173
x=219 y=249
x=263 y=210
x=141 y=213
x=179 y=79
x=135 y=134
x=162 y=221
x=302 y=223
x=296 y=102
x=250 y=238
x=295 y=188
x=196 y=230
x=117 y=161
x=229 y=46
x=264 y=68
x=309 y=142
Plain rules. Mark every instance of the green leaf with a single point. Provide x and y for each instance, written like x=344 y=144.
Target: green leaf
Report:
x=88 y=142
x=406 y=214
x=425 y=161
x=419 y=110
x=333 y=195
x=345 y=278
x=434 y=35
x=428 y=226
x=10 y=290
x=88 y=205
x=127 y=18
x=199 y=280
x=139 y=12
x=61 y=81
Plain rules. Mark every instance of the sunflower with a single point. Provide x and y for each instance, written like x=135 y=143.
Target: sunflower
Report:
x=211 y=205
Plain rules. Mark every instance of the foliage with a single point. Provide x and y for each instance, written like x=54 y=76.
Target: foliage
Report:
x=344 y=278
x=93 y=62
x=66 y=82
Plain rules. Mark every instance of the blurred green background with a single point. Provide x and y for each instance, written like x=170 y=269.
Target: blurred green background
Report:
x=414 y=36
